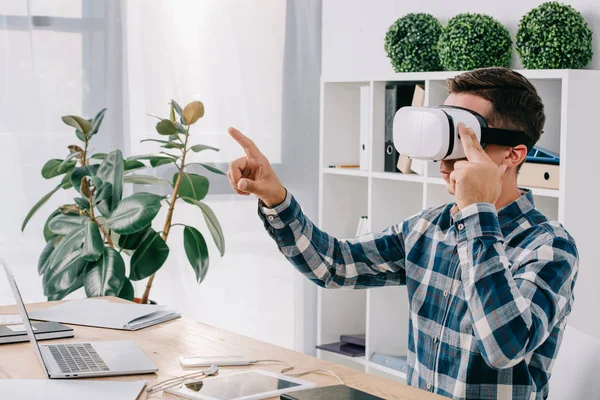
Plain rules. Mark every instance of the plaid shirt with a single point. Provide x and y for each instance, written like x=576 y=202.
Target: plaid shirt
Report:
x=489 y=291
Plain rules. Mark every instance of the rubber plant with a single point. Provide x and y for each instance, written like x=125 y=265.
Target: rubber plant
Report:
x=88 y=241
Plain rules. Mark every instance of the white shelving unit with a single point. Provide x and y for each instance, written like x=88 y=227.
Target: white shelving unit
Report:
x=571 y=105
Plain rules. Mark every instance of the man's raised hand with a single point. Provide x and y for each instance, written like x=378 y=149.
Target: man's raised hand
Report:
x=253 y=173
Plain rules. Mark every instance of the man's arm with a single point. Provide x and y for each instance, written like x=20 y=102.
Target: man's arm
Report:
x=512 y=315
x=367 y=261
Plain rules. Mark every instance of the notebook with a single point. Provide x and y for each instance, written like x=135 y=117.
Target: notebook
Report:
x=336 y=392
x=106 y=314
x=42 y=330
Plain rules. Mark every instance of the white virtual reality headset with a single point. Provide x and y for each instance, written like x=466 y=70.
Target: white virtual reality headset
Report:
x=431 y=133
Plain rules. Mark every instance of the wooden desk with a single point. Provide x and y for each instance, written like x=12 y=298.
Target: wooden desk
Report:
x=166 y=342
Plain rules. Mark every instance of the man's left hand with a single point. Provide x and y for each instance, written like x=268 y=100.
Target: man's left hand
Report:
x=479 y=179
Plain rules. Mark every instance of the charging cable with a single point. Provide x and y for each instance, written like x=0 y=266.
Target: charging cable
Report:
x=291 y=367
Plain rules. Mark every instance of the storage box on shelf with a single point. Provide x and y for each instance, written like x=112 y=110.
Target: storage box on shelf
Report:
x=570 y=99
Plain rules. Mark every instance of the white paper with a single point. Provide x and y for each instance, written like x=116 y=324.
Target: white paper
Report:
x=10 y=319
x=44 y=389
x=19 y=328
x=91 y=312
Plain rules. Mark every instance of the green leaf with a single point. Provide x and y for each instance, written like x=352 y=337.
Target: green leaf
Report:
x=80 y=172
x=196 y=251
x=134 y=213
x=96 y=122
x=93 y=244
x=213 y=224
x=158 y=161
x=193 y=112
x=199 y=147
x=78 y=123
x=67 y=163
x=82 y=202
x=192 y=185
x=63 y=275
x=99 y=156
x=180 y=128
x=65 y=224
x=127 y=292
x=61 y=295
x=111 y=170
x=145 y=180
x=66 y=180
x=37 y=206
x=166 y=127
x=133 y=164
x=103 y=199
x=212 y=168
x=79 y=135
x=56 y=167
x=150 y=255
x=48 y=234
x=177 y=108
x=167 y=143
x=45 y=256
x=106 y=276
x=131 y=242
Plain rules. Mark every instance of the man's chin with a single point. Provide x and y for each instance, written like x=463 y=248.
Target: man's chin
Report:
x=449 y=188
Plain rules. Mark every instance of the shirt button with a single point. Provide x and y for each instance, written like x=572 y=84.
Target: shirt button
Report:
x=446 y=293
x=435 y=339
x=271 y=218
x=461 y=227
x=429 y=385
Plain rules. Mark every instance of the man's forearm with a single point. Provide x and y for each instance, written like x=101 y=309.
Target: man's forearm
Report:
x=330 y=262
x=512 y=314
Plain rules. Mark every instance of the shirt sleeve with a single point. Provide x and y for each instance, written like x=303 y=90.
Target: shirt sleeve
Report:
x=514 y=308
x=367 y=261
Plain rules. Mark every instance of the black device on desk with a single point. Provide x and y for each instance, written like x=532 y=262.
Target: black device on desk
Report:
x=41 y=330
x=336 y=392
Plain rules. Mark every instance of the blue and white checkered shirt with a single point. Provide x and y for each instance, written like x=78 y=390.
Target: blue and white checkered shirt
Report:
x=489 y=290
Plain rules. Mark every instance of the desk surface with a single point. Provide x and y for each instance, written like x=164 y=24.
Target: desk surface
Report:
x=166 y=342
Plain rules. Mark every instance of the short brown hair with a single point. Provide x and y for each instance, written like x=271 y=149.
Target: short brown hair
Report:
x=515 y=102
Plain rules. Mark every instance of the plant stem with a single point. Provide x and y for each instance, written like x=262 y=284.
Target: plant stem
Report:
x=94 y=220
x=167 y=227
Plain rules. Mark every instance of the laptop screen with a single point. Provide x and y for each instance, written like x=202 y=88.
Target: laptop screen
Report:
x=23 y=312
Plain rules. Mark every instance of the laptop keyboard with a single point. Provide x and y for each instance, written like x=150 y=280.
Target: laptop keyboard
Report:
x=77 y=358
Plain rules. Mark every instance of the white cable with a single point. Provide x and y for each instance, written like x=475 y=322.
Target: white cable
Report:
x=291 y=367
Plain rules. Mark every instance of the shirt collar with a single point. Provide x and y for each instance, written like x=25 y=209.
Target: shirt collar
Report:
x=515 y=209
x=512 y=210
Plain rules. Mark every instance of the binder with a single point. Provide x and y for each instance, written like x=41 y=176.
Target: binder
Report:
x=365 y=127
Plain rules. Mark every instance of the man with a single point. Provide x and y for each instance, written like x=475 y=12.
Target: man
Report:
x=490 y=280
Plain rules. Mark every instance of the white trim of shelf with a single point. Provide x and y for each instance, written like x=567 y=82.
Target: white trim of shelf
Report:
x=419 y=178
x=357 y=360
x=443 y=75
x=385 y=369
x=345 y=172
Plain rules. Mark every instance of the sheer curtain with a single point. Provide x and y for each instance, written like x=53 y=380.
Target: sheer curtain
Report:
x=55 y=60
x=255 y=64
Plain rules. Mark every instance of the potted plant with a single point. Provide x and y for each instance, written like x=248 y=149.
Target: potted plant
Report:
x=411 y=43
x=472 y=41
x=554 y=35
x=86 y=240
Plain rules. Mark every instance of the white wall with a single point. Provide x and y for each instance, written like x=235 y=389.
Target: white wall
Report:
x=354 y=30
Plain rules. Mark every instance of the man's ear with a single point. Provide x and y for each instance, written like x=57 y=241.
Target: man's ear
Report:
x=516 y=156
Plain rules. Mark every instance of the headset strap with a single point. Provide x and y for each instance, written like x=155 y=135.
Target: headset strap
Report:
x=505 y=137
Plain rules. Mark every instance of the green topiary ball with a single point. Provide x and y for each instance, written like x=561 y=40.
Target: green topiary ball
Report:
x=411 y=43
x=472 y=41
x=554 y=35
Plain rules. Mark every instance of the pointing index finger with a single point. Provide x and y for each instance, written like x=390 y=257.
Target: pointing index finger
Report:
x=247 y=144
x=471 y=146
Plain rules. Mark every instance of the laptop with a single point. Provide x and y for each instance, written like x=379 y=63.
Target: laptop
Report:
x=82 y=360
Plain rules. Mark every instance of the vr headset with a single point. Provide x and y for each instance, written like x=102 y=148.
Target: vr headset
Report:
x=431 y=133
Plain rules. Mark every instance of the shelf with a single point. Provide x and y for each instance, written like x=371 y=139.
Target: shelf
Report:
x=443 y=75
x=345 y=171
x=357 y=360
x=385 y=369
x=398 y=176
